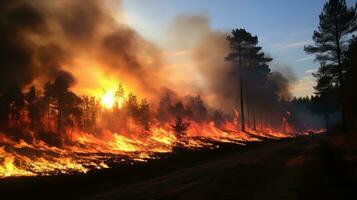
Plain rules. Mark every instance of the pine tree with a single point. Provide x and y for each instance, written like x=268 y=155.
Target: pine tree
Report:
x=143 y=117
x=250 y=60
x=63 y=101
x=351 y=80
x=337 y=23
x=198 y=108
x=180 y=127
x=32 y=99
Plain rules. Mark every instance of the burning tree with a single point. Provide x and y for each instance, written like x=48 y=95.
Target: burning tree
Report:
x=143 y=115
x=197 y=109
x=180 y=127
x=64 y=102
x=89 y=110
x=33 y=107
x=38 y=118
x=14 y=103
x=218 y=118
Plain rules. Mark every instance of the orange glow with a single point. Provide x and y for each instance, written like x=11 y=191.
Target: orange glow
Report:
x=89 y=151
x=116 y=136
x=108 y=99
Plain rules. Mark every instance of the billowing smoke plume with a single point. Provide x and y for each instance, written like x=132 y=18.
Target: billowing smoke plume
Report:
x=283 y=76
x=221 y=79
x=21 y=59
x=212 y=76
x=218 y=80
x=42 y=38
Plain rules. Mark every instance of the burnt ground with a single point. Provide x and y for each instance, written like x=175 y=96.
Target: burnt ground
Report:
x=322 y=167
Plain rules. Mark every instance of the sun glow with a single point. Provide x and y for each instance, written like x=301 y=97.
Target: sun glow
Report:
x=108 y=99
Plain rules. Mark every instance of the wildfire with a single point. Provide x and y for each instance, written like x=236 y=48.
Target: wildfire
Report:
x=91 y=152
x=125 y=135
x=63 y=110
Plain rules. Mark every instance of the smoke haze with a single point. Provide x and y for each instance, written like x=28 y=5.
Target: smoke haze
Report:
x=45 y=39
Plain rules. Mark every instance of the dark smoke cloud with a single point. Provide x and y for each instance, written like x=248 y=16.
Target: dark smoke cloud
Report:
x=121 y=45
x=27 y=53
x=283 y=76
x=79 y=19
x=16 y=54
x=66 y=77
x=41 y=39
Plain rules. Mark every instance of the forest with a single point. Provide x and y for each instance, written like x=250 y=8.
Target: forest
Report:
x=50 y=126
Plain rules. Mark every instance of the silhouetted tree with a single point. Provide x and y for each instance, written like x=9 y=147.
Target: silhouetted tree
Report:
x=131 y=107
x=180 y=127
x=218 y=118
x=120 y=91
x=4 y=110
x=337 y=22
x=256 y=73
x=197 y=108
x=63 y=101
x=239 y=42
x=351 y=78
x=33 y=107
x=246 y=54
x=179 y=110
x=89 y=110
x=272 y=105
x=143 y=116
x=132 y=104
x=14 y=101
x=164 y=108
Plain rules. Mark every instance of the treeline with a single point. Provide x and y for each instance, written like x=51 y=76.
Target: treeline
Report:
x=54 y=112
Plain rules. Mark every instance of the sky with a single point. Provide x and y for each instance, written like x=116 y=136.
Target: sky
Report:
x=283 y=27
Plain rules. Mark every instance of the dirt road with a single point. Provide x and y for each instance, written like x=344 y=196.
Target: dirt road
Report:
x=305 y=168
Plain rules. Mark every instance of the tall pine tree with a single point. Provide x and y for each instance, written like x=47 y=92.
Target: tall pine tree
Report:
x=250 y=62
x=337 y=23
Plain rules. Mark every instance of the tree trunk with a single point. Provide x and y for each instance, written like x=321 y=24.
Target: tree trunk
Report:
x=254 y=122
x=241 y=93
x=343 y=109
x=248 y=112
x=340 y=79
x=59 y=120
x=242 y=105
x=48 y=116
x=72 y=133
x=326 y=122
